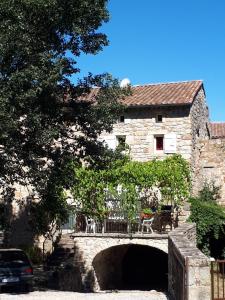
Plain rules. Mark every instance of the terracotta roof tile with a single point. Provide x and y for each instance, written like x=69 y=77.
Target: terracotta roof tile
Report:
x=164 y=93
x=217 y=130
x=173 y=93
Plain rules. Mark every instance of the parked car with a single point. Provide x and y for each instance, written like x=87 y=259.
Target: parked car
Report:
x=15 y=269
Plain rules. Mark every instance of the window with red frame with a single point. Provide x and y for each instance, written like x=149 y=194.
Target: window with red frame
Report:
x=159 y=143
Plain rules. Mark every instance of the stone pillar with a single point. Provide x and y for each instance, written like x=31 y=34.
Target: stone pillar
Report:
x=198 y=278
x=189 y=269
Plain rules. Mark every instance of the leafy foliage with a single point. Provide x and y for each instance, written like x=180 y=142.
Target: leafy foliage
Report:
x=126 y=179
x=209 y=192
x=34 y=253
x=44 y=125
x=209 y=218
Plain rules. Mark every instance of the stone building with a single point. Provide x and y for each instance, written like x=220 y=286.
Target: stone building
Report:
x=162 y=119
x=167 y=118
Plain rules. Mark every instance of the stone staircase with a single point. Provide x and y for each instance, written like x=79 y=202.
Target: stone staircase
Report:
x=63 y=253
x=65 y=274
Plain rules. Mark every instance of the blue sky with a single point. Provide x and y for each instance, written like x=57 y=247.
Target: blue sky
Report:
x=163 y=41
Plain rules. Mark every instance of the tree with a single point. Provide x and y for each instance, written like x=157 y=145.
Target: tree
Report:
x=40 y=108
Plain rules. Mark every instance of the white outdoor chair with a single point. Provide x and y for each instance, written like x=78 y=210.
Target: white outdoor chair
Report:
x=90 y=225
x=147 y=223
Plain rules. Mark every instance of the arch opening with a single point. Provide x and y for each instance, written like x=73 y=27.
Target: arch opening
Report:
x=131 y=267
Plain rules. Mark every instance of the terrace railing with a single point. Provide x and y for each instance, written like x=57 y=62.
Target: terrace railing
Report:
x=117 y=221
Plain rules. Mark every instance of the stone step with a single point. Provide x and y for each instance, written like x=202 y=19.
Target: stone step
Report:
x=62 y=243
x=63 y=252
x=65 y=241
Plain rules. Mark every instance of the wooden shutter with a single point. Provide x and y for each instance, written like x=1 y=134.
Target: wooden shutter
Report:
x=170 y=143
x=111 y=143
x=127 y=121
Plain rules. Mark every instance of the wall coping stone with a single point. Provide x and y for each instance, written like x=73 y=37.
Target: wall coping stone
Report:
x=182 y=247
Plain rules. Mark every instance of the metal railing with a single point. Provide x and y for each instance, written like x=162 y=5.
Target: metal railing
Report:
x=218 y=279
x=117 y=221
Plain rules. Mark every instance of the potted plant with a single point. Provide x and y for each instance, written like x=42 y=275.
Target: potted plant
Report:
x=146 y=213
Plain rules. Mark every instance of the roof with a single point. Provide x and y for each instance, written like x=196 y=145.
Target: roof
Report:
x=172 y=93
x=217 y=130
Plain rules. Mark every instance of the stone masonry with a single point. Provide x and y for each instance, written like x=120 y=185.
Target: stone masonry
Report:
x=188 y=123
x=189 y=269
x=210 y=166
x=98 y=261
x=90 y=247
x=140 y=128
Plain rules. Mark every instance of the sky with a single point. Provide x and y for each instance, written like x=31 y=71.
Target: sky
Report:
x=165 y=41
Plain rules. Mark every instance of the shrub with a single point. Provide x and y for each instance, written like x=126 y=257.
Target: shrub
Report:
x=34 y=253
x=209 y=192
x=210 y=221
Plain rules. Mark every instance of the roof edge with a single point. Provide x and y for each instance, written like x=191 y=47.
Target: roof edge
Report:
x=156 y=105
x=165 y=83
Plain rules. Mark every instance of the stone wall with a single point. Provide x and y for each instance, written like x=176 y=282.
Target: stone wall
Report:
x=210 y=166
x=189 y=269
x=88 y=249
x=140 y=127
x=199 y=115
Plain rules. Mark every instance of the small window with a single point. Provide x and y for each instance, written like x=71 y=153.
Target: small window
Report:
x=159 y=118
x=159 y=143
x=121 y=142
x=121 y=119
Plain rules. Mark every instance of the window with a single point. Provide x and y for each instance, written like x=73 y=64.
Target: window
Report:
x=159 y=118
x=159 y=143
x=121 y=142
x=121 y=119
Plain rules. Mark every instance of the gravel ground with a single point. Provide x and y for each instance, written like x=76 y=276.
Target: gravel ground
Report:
x=57 y=295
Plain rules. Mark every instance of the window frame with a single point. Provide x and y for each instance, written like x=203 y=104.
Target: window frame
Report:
x=122 y=119
x=159 y=120
x=157 y=136
x=119 y=143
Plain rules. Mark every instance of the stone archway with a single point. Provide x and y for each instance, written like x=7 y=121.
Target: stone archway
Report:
x=131 y=267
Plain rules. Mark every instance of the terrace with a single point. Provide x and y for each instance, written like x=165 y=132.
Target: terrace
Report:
x=117 y=220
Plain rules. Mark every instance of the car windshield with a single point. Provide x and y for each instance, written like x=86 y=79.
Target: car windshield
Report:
x=13 y=259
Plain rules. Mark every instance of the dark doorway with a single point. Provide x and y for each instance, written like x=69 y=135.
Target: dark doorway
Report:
x=132 y=267
x=144 y=268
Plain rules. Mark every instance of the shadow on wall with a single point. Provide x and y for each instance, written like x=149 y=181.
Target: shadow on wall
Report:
x=18 y=231
x=21 y=229
x=131 y=267
x=70 y=273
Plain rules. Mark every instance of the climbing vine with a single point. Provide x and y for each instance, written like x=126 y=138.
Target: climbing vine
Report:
x=128 y=181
